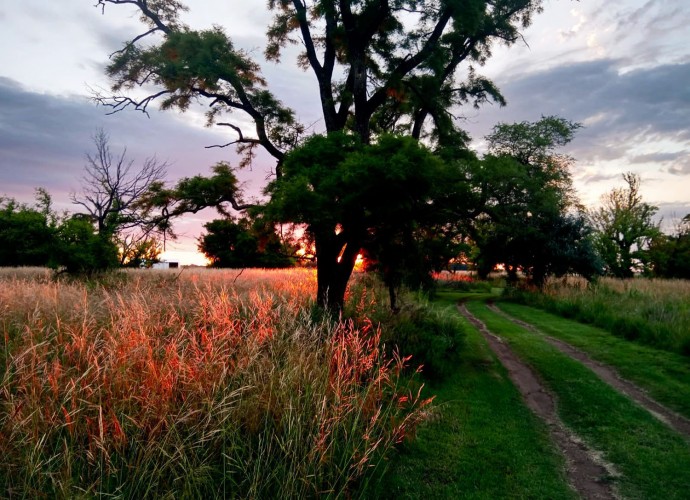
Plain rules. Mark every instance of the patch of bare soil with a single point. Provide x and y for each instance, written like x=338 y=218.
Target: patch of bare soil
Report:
x=609 y=375
x=587 y=473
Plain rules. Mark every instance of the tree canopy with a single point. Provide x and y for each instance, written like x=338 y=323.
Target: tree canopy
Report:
x=245 y=242
x=624 y=228
x=399 y=67
x=530 y=218
x=27 y=233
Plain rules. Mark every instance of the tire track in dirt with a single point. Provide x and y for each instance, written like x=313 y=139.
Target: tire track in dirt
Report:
x=586 y=473
x=609 y=375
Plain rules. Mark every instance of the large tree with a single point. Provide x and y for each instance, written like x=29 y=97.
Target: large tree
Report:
x=398 y=66
x=353 y=196
x=624 y=228
x=531 y=219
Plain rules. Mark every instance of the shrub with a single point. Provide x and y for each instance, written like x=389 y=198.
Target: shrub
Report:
x=433 y=339
x=79 y=250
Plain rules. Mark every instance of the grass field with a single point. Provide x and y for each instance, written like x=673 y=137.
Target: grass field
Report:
x=486 y=444
x=483 y=443
x=195 y=384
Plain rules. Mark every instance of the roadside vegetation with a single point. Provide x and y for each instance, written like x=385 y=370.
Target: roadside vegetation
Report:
x=654 y=312
x=665 y=375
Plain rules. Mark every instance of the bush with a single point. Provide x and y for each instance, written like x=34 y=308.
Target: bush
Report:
x=81 y=251
x=433 y=339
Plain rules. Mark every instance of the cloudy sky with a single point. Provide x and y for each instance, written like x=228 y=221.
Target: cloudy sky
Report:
x=619 y=67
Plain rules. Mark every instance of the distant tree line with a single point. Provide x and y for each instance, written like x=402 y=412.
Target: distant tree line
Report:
x=112 y=229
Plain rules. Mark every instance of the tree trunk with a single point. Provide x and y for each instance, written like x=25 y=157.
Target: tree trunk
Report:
x=335 y=261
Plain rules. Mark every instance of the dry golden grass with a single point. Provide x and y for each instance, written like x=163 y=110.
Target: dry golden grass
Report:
x=191 y=383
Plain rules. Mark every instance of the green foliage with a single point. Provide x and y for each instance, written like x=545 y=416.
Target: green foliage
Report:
x=669 y=255
x=80 y=250
x=388 y=198
x=191 y=64
x=193 y=194
x=434 y=339
x=37 y=236
x=530 y=218
x=624 y=229
x=244 y=243
x=534 y=143
x=27 y=234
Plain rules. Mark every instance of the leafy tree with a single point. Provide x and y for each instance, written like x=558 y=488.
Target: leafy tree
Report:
x=352 y=196
x=624 y=228
x=669 y=255
x=27 y=233
x=37 y=236
x=244 y=243
x=79 y=250
x=382 y=66
x=529 y=216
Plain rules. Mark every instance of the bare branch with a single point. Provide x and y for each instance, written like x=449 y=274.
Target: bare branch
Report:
x=241 y=140
x=134 y=40
x=119 y=103
x=111 y=189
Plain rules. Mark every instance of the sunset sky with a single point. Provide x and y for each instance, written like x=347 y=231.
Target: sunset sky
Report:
x=620 y=67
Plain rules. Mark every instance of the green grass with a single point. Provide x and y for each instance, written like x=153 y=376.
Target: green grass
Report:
x=653 y=460
x=484 y=443
x=665 y=375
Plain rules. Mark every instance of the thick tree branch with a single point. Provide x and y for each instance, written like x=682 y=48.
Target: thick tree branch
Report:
x=246 y=106
x=410 y=63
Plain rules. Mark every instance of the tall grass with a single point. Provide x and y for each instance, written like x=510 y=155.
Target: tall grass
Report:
x=655 y=312
x=192 y=384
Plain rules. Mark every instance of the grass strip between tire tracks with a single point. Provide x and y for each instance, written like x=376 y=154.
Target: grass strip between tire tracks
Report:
x=664 y=374
x=653 y=460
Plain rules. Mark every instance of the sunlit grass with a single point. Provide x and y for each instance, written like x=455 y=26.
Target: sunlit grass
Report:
x=195 y=383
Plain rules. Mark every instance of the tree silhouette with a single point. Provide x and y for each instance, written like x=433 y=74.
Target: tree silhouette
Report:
x=395 y=66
